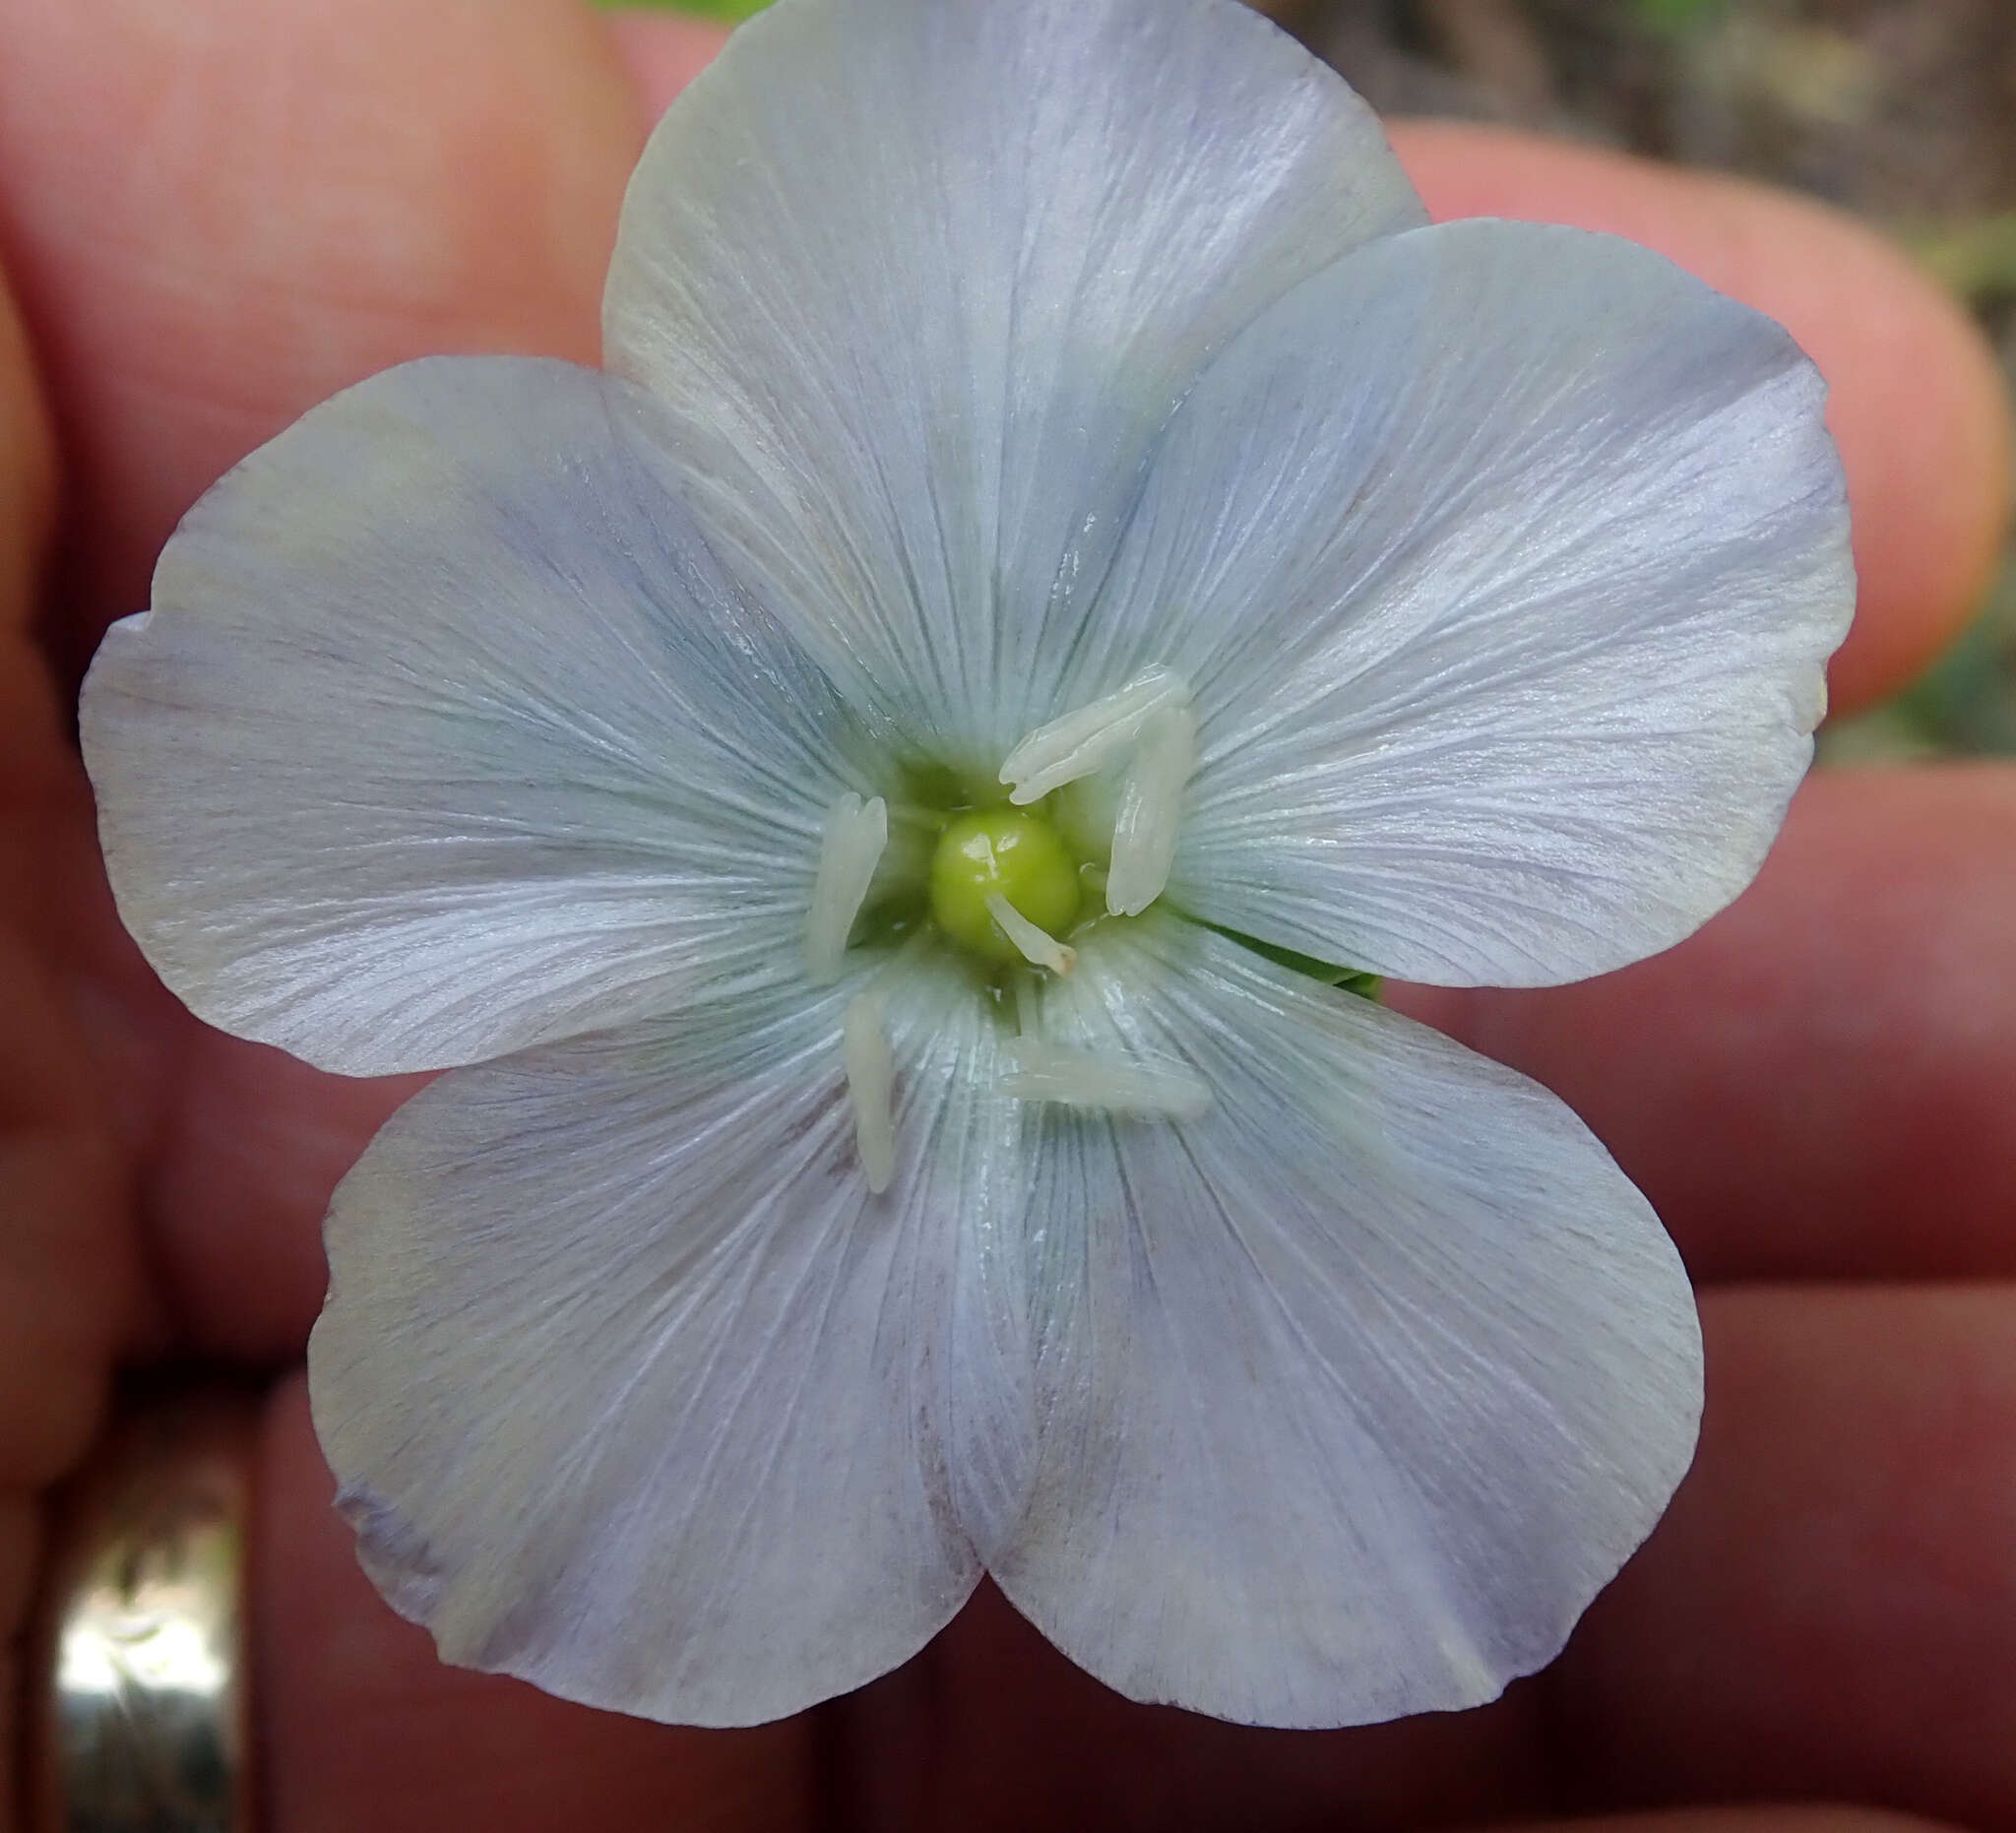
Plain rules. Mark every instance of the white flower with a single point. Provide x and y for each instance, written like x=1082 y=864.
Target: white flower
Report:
x=1449 y=601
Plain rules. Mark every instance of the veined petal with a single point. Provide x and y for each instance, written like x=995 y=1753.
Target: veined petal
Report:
x=1503 y=562
x=768 y=1404
x=447 y=735
x=1355 y=1389
x=923 y=278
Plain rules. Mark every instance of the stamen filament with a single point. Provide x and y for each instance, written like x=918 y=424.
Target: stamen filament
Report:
x=1047 y=1072
x=871 y=1083
x=1151 y=810
x=1084 y=743
x=851 y=849
x=1039 y=947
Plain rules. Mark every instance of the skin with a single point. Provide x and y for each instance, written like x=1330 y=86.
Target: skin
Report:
x=214 y=215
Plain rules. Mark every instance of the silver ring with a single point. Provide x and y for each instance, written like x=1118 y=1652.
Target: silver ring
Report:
x=139 y=1696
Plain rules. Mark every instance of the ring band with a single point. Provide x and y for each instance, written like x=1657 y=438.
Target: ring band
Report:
x=139 y=1697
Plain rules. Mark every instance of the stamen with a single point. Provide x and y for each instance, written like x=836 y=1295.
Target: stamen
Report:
x=1085 y=742
x=871 y=1080
x=1040 y=948
x=1151 y=810
x=1112 y=1084
x=849 y=851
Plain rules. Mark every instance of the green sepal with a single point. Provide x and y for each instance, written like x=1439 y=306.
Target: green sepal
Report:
x=1344 y=980
x=706 y=9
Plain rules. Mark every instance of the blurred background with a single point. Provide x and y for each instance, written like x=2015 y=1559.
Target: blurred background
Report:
x=1902 y=111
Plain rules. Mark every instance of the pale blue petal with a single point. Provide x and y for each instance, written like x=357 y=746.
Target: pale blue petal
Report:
x=923 y=278
x=1504 y=561
x=1354 y=1392
x=635 y=1392
x=446 y=735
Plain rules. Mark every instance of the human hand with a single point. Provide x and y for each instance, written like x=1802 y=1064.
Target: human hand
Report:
x=214 y=216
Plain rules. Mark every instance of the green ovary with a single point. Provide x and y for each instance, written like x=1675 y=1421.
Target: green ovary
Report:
x=1008 y=851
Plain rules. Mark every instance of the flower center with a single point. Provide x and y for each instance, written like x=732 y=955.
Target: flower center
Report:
x=1002 y=884
x=995 y=855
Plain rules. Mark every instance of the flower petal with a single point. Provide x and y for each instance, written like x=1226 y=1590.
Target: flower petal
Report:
x=447 y=735
x=1355 y=1390
x=632 y=1388
x=923 y=278
x=1503 y=562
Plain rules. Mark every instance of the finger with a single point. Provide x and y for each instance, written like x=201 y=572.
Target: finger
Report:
x=1829 y=1607
x=1758 y=1817
x=1918 y=402
x=1826 y=1613
x=21 y=1538
x=65 y=1258
x=28 y=470
x=1819 y=1083
x=65 y=1271
x=221 y=214
x=218 y=214
x=993 y=1727
x=663 y=52
x=361 y=1727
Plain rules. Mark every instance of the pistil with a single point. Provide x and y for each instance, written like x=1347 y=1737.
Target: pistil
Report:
x=1016 y=857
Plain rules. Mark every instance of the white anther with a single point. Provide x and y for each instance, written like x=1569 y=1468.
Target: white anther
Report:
x=1045 y=1072
x=1085 y=741
x=1151 y=810
x=870 y=1081
x=849 y=851
x=1040 y=948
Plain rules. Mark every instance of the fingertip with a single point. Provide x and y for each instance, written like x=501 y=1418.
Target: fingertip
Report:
x=1916 y=400
x=219 y=214
x=663 y=52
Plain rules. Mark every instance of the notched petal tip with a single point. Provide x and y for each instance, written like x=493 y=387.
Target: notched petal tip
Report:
x=397 y=1559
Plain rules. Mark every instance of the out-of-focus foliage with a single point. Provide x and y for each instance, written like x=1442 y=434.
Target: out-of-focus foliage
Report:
x=1676 y=19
